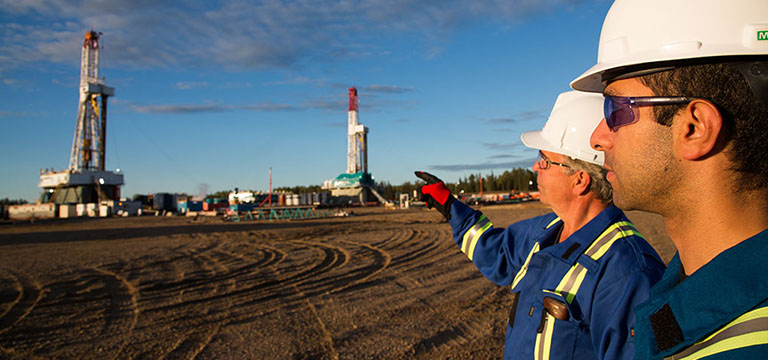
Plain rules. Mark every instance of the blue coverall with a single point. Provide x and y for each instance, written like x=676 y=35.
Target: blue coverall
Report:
x=718 y=312
x=598 y=279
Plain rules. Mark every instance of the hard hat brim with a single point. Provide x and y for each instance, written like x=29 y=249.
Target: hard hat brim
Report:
x=590 y=80
x=535 y=140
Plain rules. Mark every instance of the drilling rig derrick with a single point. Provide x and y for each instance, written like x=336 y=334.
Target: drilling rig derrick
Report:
x=86 y=180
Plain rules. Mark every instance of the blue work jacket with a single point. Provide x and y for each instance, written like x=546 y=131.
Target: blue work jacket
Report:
x=718 y=312
x=599 y=274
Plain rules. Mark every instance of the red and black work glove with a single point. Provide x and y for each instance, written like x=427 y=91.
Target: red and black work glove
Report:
x=435 y=194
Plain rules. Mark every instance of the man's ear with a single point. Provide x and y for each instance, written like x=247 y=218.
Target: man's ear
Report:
x=581 y=182
x=699 y=129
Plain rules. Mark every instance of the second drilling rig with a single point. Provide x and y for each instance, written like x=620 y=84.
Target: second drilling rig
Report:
x=357 y=183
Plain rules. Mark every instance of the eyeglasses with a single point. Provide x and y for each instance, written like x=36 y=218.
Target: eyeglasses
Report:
x=620 y=110
x=543 y=162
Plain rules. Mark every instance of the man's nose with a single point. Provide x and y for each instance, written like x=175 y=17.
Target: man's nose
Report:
x=600 y=139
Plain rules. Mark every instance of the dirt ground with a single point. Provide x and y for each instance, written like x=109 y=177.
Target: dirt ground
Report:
x=382 y=284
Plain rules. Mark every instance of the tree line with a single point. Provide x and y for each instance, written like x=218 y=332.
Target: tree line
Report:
x=515 y=180
x=8 y=201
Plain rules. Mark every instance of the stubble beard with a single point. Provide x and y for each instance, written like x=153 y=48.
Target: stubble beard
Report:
x=650 y=181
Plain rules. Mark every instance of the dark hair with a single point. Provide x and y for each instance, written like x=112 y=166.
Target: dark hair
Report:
x=745 y=118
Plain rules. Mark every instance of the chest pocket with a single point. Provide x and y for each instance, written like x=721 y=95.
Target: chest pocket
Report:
x=559 y=322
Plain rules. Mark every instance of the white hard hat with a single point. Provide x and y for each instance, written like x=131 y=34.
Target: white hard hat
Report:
x=575 y=115
x=640 y=35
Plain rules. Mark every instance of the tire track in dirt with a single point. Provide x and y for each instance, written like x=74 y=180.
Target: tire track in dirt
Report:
x=193 y=343
x=199 y=272
x=324 y=278
x=286 y=277
x=237 y=269
x=381 y=261
x=326 y=335
x=464 y=327
x=399 y=241
x=88 y=311
x=195 y=273
x=123 y=311
x=386 y=285
x=451 y=336
x=337 y=266
x=330 y=258
x=414 y=249
x=28 y=294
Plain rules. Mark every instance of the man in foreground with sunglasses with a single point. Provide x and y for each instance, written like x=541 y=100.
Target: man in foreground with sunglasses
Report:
x=576 y=274
x=685 y=135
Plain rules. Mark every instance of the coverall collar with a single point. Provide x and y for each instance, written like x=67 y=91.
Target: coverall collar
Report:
x=570 y=249
x=729 y=285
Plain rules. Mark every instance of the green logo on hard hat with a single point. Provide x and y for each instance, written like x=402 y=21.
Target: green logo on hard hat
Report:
x=762 y=35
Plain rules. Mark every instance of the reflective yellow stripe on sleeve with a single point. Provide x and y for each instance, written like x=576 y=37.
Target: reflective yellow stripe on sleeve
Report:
x=749 y=329
x=469 y=241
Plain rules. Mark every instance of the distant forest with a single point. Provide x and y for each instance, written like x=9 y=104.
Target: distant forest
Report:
x=515 y=180
x=8 y=201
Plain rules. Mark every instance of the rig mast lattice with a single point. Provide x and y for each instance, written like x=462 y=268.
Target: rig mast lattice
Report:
x=86 y=180
x=89 y=141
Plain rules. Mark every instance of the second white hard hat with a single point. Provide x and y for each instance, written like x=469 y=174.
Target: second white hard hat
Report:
x=573 y=118
x=638 y=35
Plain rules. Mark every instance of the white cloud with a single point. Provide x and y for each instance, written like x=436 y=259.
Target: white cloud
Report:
x=180 y=109
x=188 y=85
x=392 y=89
x=499 y=146
x=239 y=34
x=483 y=166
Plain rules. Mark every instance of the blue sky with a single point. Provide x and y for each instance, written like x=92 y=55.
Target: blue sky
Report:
x=211 y=94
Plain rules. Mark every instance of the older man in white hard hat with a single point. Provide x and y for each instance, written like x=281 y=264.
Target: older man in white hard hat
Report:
x=685 y=135
x=576 y=274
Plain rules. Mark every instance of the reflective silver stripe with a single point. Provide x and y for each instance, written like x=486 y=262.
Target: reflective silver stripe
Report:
x=544 y=339
x=570 y=283
x=473 y=234
x=571 y=280
x=738 y=331
x=606 y=237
